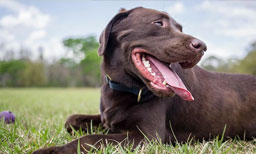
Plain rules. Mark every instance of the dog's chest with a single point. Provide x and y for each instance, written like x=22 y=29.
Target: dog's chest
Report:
x=114 y=119
x=123 y=116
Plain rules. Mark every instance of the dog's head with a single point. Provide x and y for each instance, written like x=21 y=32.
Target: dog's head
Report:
x=141 y=44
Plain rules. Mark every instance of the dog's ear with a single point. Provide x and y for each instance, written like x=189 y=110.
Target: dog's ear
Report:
x=104 y=37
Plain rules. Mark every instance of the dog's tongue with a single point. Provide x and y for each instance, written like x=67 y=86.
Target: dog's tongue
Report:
x=173 y=80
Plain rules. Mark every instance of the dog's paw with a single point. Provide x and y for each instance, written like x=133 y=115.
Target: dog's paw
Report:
x=73 y=123
x=77 y=122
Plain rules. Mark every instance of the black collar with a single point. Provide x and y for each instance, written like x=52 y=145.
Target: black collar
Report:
x=143 y=94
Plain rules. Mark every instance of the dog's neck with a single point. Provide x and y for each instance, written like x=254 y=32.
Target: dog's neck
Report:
x=143 y=94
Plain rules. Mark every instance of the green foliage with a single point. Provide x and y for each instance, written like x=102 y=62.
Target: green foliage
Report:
x=67 y=62
x=216 y=64
x=90 y=64
x=248 y=64
x=83 y=69
x=91 y=68
x=33 y=75
x=12 y=67
x=17 y=73
x=78 y=45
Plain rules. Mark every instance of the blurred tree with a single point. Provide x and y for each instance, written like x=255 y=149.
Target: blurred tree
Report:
x=41 y=53
x=252 y=47
x=248 y=64
x=8 y=55
x=214 y=63
x=91 y=68
x=24 y=54
x=80 y=70
x=17 y=73
x=78 y=45
x=10 y=72
x=59 y=75
x=85 y=55
x=33 y=75
x=68 y=62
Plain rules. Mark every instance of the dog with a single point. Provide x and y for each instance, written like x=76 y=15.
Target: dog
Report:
x=152 y=87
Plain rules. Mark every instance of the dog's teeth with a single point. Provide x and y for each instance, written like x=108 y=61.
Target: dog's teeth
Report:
x=149 y=69
x=170 y=65
x=146 y=64
x=164 y=83
x=143 y=59
x=154 y=74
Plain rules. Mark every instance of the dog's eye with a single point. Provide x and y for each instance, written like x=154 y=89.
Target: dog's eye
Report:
x=158 y=23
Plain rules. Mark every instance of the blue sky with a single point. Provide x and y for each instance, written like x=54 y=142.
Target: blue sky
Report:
x=227 y=27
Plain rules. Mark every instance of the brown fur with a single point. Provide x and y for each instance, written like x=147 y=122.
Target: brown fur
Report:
x=221 y=100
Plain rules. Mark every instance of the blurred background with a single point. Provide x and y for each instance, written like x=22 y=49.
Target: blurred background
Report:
x=47 y=43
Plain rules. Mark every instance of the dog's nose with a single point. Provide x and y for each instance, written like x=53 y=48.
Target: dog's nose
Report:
x=198 y=45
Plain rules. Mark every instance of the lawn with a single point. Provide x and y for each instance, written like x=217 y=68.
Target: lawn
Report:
x=41 y=113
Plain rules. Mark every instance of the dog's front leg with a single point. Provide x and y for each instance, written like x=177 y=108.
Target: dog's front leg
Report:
x=80 y=121
x=89 y=141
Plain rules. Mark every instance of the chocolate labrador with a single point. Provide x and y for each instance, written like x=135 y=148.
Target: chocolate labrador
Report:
x=152 y=87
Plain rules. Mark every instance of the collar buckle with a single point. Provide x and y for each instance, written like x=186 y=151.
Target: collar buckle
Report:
x=139 y=95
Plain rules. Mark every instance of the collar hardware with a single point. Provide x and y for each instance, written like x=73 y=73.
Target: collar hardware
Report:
x=143 y=94
x=139 y=95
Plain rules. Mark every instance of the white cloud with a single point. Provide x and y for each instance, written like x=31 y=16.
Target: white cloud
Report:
x=229 y=10
x=176 y=9
x=220 y=51
x=36 y=35
x=24 y=27
x=30 y=17
x=12 y=5
x=247 y=31
x=231 y=20
x=231 y=25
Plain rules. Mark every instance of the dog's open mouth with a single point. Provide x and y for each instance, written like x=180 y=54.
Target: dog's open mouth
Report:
x=160 y=76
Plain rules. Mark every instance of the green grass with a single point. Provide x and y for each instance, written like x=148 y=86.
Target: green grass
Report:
x=41 y=113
